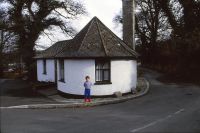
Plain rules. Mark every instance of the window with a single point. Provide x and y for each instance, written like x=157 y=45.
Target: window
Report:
x=44 y=67
x=62 y=70
x=102 y=71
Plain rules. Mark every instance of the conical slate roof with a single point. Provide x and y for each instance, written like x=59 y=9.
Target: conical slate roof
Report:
x=95 y=40
x=52 y=51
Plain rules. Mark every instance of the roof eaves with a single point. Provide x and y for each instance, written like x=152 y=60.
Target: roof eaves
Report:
x=129 y=49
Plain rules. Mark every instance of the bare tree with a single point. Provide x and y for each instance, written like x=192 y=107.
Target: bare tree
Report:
x=151 y=26
x=29 y=18
x=7 y=40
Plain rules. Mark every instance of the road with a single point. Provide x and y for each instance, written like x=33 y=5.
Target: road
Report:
x=166 y=108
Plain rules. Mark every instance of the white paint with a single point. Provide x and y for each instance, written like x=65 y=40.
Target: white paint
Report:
x=50 y=69
x=178 y=112
x=157 y=121
x=123 y=77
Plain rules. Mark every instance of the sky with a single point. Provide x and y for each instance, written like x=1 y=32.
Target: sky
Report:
x=105 y=10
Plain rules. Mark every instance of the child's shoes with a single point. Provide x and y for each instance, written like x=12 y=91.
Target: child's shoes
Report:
x=89 y=100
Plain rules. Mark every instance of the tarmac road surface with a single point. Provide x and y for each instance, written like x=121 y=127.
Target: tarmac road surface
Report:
x=167 y=108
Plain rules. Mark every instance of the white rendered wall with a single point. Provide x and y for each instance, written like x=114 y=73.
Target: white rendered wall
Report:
x=50 y=69
x=123 y=77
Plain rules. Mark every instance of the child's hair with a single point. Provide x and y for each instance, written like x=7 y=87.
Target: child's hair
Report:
x=87 y=77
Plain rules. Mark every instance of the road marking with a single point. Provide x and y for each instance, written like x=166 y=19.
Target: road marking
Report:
x=15 y=107
x=181 y=110
x=157 y=121
x=148 y=125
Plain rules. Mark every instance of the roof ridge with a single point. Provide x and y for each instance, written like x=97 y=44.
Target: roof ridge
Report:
x=123 y=43
x=103 y=43
x=91 y=22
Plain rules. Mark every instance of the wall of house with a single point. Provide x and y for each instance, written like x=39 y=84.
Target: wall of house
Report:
x=50 y=71
x=123 y=77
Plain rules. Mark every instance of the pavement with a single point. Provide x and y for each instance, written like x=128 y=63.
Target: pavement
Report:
x=168 y=108
x=51 y=94
x=18 y=92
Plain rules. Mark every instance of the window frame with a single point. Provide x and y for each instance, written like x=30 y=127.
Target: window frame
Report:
x=97 y=61
x=62 y=79
x=44 y=66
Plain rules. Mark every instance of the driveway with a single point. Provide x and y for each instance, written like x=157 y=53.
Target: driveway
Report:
x=167 y=108
x=19 y=92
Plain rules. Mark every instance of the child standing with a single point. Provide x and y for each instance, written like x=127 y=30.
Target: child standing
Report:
x=87 y=85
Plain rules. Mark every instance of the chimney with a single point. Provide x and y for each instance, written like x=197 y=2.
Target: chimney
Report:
x=129 y=22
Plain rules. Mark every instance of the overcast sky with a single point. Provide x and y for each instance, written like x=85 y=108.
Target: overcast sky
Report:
x=105 y=10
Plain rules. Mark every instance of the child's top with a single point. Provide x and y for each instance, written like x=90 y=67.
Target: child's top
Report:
x=87 y=84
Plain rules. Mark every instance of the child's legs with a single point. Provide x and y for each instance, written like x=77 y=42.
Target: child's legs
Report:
x=88 y=96
x=87 y=93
